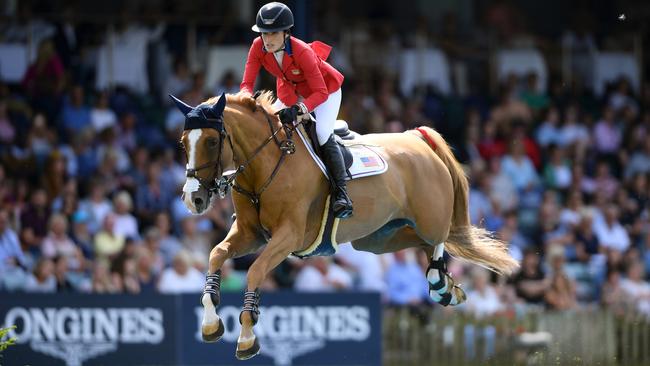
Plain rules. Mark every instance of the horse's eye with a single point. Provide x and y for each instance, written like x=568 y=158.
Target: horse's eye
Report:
x=213 y=143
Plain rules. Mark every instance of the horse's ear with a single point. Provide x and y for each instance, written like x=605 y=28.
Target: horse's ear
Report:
x=181 y=105
x=219 y=106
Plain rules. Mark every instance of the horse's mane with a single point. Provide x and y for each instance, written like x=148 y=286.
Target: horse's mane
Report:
x=265 y=100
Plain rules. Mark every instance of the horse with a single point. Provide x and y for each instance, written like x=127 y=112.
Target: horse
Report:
x=279 y=197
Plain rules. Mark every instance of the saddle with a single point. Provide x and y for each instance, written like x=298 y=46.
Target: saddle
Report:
x=361 y=160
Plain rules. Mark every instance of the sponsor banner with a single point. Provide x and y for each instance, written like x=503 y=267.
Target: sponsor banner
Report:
x=77 y=330
x=294 y=329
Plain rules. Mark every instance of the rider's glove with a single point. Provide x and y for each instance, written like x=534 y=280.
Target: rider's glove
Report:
x=289 y=115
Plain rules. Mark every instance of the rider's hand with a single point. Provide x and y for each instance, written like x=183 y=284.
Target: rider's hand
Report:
x=289 y=115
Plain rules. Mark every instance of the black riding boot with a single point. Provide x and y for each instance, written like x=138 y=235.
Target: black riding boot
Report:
x=336 y=166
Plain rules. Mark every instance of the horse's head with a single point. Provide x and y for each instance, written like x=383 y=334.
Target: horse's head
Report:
x=203 y=141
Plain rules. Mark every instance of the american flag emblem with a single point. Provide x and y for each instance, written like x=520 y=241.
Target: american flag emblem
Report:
x=369 y=161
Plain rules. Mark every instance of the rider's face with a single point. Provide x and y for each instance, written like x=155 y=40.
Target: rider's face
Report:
x=273 y=41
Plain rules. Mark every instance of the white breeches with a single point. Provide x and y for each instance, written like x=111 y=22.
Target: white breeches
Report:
x=326 y=114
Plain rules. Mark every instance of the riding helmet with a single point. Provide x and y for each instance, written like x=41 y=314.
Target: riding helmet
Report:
x=273 y=17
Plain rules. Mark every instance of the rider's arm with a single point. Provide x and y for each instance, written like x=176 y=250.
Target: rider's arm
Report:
x=253 y=65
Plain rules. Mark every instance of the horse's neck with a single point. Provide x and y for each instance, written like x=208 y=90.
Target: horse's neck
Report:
x=248 y=135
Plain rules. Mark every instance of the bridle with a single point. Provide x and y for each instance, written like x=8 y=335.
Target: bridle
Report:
x=222 y=183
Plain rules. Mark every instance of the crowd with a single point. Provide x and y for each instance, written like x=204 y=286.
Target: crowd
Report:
x=90 y=184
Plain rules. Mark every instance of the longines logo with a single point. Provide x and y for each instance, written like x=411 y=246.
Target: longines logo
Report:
x=286 y=332
x=78 y=334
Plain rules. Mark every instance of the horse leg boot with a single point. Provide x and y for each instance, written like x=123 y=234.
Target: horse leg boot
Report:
x=212 y=327
x=336 y=166
x=442 y=288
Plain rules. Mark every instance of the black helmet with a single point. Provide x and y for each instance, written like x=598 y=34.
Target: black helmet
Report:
x=273 y=17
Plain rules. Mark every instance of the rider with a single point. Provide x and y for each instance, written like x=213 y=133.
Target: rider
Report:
x=304 y=81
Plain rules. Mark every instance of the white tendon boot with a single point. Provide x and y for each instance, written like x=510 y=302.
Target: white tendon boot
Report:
x=442 y=288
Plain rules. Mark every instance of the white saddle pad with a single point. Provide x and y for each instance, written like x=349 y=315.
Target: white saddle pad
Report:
x=366 y=161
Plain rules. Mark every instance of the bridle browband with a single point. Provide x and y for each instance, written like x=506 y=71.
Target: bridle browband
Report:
x=221 y=184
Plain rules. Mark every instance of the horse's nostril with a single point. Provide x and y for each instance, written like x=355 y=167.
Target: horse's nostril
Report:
x=198 y=201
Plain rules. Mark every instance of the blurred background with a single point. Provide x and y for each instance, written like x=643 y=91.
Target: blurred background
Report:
x=547 y=105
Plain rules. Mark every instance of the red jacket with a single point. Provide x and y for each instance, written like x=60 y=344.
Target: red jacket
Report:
x=304 y=72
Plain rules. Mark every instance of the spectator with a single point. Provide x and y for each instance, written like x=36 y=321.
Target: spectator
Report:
x=635 y=289
x=368 y=268
x=557 y=172
x=102 y=281
x=320 y=274
x=125 y=223
x=152 y=243
x=483 y=299
x=63 y=284
x=587 y=243
x=181 y=277
x=11 y=252
x=548 y=133
x=639 y=163
x=535 y=99
x=530 y=284
x=561 y=292
x=144 y=271
x=607 y=135
x=152 y=197
x=169 y=244
x=42 y=280
x=108 y=242
x=75 y=115
x=44 y=80
x=519 y=168
x=405 y=281
x=196 y=243
x=57 y=242
x=610 y=233
x=101 y=116
x=81 y=235
x=35 y=218
x=96 y=206
x=573 y=133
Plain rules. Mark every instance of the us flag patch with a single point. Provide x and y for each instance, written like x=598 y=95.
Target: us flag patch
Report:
x=369 y=161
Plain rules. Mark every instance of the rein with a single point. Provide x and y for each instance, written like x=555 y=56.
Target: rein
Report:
x=287 y=147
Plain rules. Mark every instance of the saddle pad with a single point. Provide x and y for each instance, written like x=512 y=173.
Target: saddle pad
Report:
x=366 y=161
x=325 y=243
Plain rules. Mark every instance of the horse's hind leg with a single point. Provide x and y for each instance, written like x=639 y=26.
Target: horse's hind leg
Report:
x=442 y=288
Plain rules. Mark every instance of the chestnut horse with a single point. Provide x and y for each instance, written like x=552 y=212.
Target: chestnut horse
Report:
x=279 y=195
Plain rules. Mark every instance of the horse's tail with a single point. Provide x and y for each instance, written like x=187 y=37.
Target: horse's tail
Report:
x=466 y=241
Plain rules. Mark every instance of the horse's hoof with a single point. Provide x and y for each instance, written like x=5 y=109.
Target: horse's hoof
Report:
x=248 y=353
x=459 y=295
x=212 y=332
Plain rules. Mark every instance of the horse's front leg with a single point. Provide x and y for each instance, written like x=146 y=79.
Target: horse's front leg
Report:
x=237 y=243
x=284 y=241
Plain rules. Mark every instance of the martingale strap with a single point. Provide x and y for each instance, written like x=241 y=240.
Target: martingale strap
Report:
x=252 y=304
